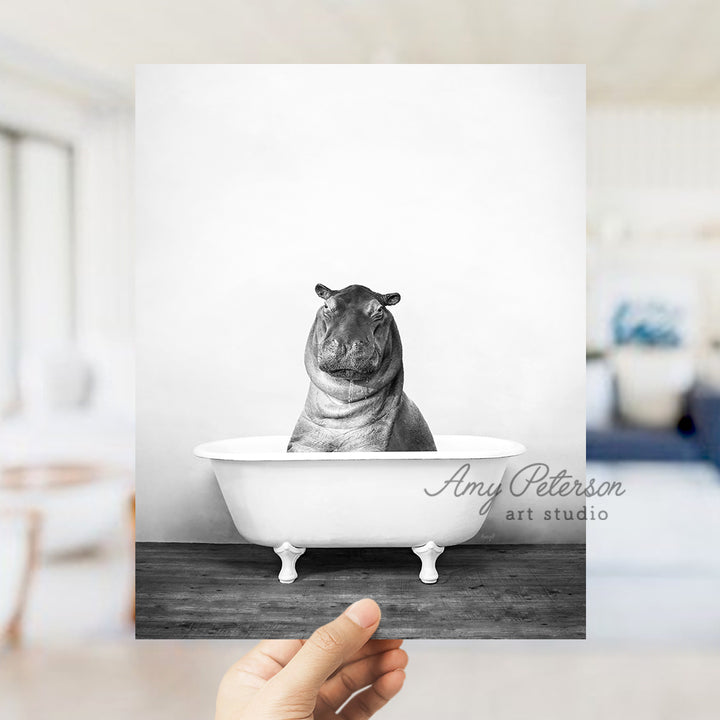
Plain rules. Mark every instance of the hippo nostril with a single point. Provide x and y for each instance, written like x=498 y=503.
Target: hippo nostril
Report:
x=334 y=346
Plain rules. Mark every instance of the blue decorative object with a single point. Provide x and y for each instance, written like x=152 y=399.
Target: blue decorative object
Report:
x=652 y=324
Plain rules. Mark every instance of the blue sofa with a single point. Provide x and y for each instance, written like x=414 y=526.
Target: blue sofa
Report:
x=696 y=438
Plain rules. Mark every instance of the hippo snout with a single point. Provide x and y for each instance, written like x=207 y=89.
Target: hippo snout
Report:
x=347 y=359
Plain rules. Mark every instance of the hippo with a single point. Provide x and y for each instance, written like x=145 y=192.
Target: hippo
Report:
x=354 y=359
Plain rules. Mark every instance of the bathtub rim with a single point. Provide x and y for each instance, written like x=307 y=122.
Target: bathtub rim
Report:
x=219 y=450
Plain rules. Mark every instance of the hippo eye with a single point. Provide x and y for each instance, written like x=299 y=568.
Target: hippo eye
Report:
x=379 y=314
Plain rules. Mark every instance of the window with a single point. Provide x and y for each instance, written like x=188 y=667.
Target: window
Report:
x=37 y=265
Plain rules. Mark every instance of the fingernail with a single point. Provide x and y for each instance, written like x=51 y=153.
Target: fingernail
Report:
x=364 y=613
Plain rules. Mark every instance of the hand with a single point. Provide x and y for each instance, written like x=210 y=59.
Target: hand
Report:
x=312 y=679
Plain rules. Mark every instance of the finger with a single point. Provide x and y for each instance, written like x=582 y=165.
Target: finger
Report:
x=281 y=651
x=243 y=679
x=365 y=704
x=358 y=675
x=263 y=662
x=374 y=647
x=328 y=648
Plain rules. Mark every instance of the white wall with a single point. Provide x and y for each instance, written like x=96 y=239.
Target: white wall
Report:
x=105 y=256
x=653 y=209
x=461 y=187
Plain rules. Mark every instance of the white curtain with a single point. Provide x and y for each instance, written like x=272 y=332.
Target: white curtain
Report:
x=45 y=264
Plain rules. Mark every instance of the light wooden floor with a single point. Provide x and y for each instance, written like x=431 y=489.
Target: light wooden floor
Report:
x=187 y=590
x=453 y=680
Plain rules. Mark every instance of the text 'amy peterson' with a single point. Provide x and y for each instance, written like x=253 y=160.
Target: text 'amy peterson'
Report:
x=535 y=476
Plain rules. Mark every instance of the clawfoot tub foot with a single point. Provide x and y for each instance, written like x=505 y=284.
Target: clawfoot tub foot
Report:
x=288 y=554
x=428 y=554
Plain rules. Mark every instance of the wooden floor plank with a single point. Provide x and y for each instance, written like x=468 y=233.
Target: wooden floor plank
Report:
x=192 y=590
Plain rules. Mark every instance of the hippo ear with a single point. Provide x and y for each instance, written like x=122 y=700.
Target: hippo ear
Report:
x=323 y=292
x=390 y=299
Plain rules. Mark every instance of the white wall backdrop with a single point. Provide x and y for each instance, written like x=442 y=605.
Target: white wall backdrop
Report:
x=460 y=187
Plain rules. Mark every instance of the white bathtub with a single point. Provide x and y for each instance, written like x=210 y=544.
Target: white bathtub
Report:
x=294 y=501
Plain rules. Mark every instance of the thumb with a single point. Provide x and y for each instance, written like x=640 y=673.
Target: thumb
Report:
x=328 y=648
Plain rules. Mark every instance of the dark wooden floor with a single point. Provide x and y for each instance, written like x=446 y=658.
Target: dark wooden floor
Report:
x=188 y=590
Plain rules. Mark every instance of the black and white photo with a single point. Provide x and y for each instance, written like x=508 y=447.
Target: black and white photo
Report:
x=362 y=334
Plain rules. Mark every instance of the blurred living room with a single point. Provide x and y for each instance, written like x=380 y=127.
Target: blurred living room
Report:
x=653 y=345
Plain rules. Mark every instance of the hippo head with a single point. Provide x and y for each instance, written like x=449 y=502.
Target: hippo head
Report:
x=353 y=329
